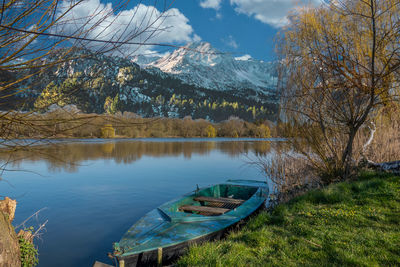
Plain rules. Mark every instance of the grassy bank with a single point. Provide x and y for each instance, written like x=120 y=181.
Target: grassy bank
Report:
x=349 y=223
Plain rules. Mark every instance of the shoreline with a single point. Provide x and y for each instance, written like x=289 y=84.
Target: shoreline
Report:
x=346 y=223
x=149 y=139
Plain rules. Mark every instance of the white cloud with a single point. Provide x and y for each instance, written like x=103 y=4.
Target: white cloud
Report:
x=139 y=24
x=214 y=4
x=272 y=12
x=244 y=57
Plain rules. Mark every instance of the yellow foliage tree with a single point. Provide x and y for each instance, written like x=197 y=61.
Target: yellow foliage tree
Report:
x=211 y=131
x=340 y=65
x=107 y=131
x=263 y=131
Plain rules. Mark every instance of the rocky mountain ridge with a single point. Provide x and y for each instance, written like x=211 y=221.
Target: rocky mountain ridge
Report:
x=202 y=65
x=101 y=83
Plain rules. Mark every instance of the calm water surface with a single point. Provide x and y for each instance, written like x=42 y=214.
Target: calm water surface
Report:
x=93 y=191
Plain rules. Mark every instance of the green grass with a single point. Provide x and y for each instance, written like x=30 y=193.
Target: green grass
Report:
x=348 y=224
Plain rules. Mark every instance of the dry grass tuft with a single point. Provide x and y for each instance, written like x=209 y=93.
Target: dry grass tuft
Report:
x=290 y=174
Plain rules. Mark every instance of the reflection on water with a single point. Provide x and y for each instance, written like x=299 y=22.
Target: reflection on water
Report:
x=94 y=191
x=69 y=156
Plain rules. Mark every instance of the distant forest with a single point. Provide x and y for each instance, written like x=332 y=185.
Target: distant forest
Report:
x=69 y=122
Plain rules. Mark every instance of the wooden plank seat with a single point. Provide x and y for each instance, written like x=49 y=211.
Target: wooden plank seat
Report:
x=204 y=209
x=220 y=200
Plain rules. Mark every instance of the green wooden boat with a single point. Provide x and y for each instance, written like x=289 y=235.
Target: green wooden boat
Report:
x=164 y=233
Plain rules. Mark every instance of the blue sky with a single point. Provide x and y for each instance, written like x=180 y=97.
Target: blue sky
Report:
x=230 y=31
x=241 y=27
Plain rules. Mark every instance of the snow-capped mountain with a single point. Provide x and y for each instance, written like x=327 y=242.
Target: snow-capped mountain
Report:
x=200 y=82
x=202 y=65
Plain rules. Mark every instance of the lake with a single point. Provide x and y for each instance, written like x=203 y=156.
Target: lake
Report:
x=92 y=191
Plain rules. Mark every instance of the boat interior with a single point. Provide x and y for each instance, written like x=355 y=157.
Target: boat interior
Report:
x=216 y=200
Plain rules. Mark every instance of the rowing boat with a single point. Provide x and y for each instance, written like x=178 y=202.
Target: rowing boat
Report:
x=164 y=233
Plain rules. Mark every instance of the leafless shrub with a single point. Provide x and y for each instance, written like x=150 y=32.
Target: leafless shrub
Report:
x=38 y=36
x=290 y=174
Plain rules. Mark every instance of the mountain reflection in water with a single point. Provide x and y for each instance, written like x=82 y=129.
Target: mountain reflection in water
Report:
x=69 y=156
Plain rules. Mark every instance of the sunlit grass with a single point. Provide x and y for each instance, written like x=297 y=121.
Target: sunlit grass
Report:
x=350 y=223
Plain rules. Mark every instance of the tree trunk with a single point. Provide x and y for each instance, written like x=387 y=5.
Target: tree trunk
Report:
x=9 y=246
x=348 y=153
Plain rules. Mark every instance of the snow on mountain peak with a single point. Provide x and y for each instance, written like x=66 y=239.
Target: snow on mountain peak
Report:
x=200 y=46
x=193 y=54
x=244 y=57
x=201 y=64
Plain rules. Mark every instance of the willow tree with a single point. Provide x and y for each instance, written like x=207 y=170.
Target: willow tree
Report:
x=340 y=65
